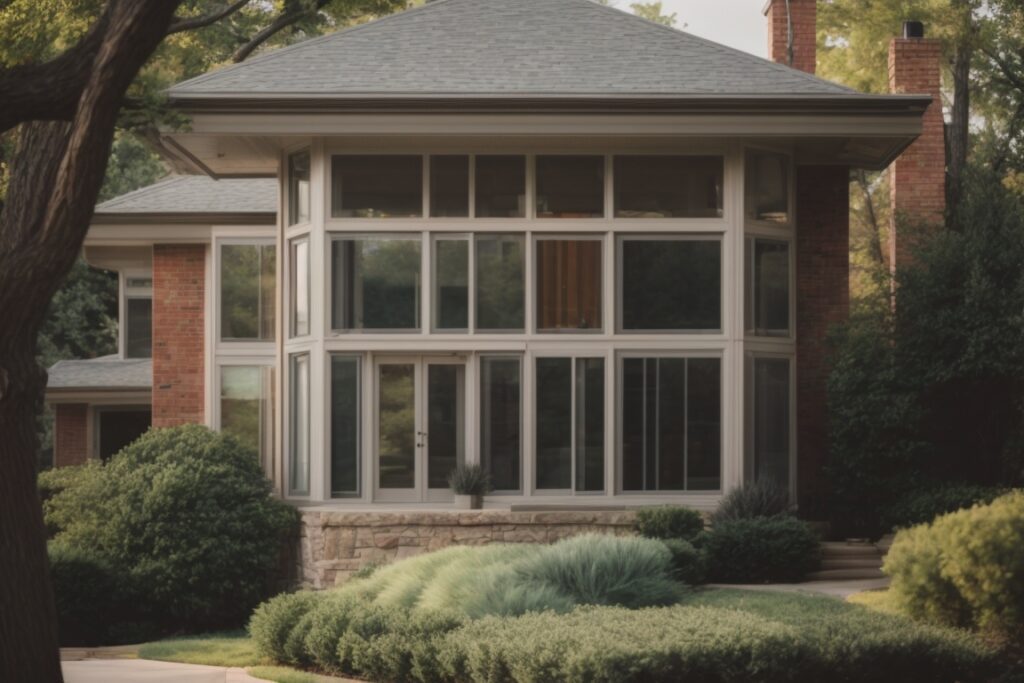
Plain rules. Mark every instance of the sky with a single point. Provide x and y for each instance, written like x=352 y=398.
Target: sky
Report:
x=736 y=23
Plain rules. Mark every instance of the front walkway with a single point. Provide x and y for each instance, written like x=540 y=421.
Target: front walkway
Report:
x=148 y=671
x=833 y=589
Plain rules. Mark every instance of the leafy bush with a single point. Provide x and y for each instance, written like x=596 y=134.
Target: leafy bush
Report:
x=273 y=621
x=687 y=561
x=924 y=505
x=964 y=569
x=469 y=480
x=54 y=481
x=187 y=514
x=763 y=549
x=87 y=594
x=669 y=521
x=765 y=498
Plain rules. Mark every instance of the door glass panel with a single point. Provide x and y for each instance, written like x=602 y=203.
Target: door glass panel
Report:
x=500 y=421
x=397 y=426
x=344 y=426
x=554 y=423
x=589 y=424
x=445 y=432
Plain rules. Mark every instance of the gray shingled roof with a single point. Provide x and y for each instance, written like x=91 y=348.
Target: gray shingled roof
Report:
x=108 y=372
x=506 y=48
x=198 y=195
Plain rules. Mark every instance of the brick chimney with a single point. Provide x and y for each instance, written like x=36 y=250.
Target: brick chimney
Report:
x=918 y=176
x=792 y=33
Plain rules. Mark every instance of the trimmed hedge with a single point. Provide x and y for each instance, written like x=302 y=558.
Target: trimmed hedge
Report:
x=186 y=515
x=964 y=569
x=763 y=549
x=669 y=522
x=722 y=636
x=923 y=506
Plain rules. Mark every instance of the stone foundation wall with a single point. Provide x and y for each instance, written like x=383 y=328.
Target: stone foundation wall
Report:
x=334 y=545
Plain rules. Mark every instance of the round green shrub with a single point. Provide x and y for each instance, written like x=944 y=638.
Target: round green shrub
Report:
x=273 y=622
x=687 y=561
x=763 y=549
x=764 y=498
x=186 y=515
x=966 y=568
x=87 y=593
x=669 y=521
x=924 y=505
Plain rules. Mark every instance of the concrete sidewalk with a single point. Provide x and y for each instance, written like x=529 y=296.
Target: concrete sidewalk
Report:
x=833 y=589
x=148 y=671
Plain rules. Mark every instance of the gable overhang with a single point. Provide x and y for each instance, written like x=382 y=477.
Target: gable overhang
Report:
x=238 y=136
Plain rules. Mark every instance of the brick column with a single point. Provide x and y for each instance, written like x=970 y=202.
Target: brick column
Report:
x=802 y=15
x=822 y=300
x=70 y=434
x=918 y=176
x=179 y=278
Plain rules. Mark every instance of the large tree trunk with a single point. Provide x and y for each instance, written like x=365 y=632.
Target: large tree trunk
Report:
x=55 y=178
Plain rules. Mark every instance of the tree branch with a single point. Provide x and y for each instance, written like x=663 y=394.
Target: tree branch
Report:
x=1009 y=72
x=288 y=18
x=190 y=23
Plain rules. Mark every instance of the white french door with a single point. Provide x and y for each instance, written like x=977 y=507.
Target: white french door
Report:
x=419 y=426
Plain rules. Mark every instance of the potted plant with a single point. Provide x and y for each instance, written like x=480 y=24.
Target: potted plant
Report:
x=469 y=483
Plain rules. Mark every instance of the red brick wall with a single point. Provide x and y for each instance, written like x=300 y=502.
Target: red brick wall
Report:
x=804 y=15
x=179 y=276
x=70 y=434
x=918 y=176
x=822 y=300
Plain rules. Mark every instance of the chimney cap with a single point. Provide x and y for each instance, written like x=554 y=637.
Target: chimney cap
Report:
x=913 y=29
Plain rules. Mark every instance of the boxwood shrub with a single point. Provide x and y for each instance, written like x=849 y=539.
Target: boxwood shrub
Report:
x=186 y=515
x=762 y=549
x=669 y=522
x=964 y=569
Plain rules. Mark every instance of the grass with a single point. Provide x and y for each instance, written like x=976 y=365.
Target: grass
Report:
x=879 y=601
x=230 y=649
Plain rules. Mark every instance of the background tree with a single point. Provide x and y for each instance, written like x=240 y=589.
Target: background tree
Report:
x=69 y=73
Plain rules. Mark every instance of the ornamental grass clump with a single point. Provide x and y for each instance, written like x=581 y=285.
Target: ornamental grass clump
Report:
x=762 y=498
x=469 y=480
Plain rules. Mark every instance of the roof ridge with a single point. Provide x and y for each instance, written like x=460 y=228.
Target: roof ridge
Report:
x=114 y=202
x=718 y=46
x=431 y=4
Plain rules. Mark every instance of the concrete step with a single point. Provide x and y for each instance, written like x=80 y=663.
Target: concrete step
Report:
x=844 y=574
x=851 y=563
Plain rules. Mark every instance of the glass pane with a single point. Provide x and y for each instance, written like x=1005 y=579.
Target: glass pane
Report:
x=445 y=431
x=766 y=193
x=139 y=328
x=768 y=269
x=671 y=424
x=451 y=292
x=298 y=188
x=396 y=445
x=570 y=187
x=246 y=407
x=345 y=448
x=376 y=284
x=554 y=423
x=590 y=424
x=668 y=186
x=500 y=421
x=704 y=424
x=771 y=420
x=300 y=288
x=372 y=186
x=118 y=428
x=449 y=186
x=298 y=474
x=568 y=285
x=671 y=285
x=499 y=282
x=500 y=186
x=247 y=274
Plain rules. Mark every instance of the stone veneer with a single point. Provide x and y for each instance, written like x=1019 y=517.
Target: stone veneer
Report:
x=334 y=545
